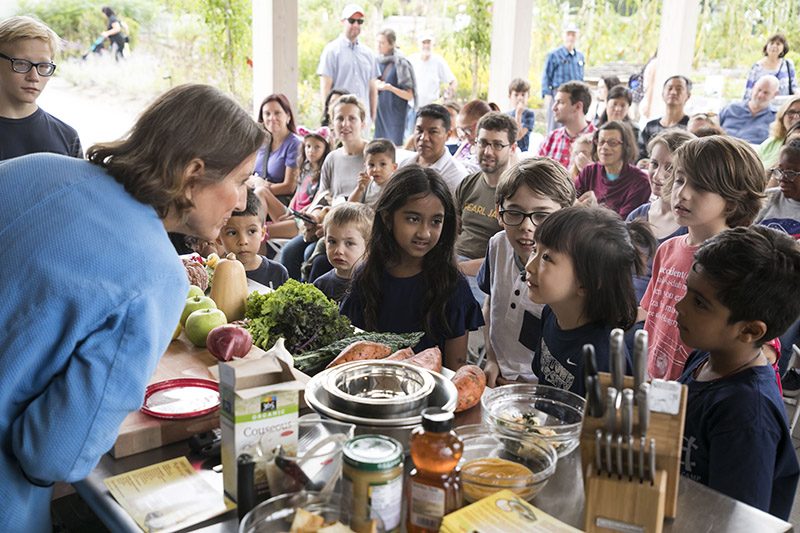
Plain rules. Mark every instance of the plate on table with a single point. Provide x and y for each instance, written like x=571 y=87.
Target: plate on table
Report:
x=181 y=398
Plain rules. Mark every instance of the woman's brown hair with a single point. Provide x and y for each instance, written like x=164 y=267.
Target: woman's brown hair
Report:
x=185 y=123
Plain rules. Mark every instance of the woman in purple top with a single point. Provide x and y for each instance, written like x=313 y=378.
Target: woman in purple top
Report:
x=280 y=168
x=613 y=181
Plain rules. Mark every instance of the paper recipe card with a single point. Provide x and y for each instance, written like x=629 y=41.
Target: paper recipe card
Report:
x=167 y=496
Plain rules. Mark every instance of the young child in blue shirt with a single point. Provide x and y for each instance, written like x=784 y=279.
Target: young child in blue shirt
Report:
x=410 y=281
x=518 y=92
x=347 y=229
x=581 y=271
x=243 y=234
x=527 y=193
x=742 y=290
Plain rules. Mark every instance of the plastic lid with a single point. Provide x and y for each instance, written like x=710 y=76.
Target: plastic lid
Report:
x=437 y=420
x=373 y=452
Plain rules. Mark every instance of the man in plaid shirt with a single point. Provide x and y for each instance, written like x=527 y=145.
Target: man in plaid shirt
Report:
x=569 y=107
x=563 y=64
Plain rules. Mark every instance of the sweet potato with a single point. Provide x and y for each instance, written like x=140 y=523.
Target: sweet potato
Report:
x=360 y=351
x=430 y=359
x=470 y=381
x=401 y=355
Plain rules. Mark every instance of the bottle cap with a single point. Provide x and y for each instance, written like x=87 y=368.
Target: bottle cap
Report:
x=437 y=420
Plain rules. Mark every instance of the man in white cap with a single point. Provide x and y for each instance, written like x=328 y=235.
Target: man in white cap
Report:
x=432 y=72
x=563 y=64
x=347 y=64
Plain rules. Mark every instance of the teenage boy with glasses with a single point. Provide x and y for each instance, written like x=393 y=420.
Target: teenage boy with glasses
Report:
x=27 y=49
x=347 y=64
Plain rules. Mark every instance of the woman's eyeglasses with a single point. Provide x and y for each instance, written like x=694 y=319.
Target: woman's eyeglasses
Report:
x=23 y=66
x=792 y=114
x=612 y=143
x=783 y=175
x=515 y=218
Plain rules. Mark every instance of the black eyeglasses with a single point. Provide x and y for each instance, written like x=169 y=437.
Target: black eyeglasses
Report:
x=495 y=145
x=792 y=114
x=515 y=218
x=355 y=21
x=783 y=175
x=23 y=66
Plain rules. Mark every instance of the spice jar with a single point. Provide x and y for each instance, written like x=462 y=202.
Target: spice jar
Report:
x=372 y=481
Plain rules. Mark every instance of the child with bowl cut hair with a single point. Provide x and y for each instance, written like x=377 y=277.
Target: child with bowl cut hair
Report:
x=740 y=291
x=717 y=184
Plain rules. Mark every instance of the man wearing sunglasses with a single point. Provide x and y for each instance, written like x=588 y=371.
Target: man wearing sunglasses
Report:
x=347 y=64
x=27 y=48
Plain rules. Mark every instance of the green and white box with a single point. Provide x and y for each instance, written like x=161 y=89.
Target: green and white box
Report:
x=260 y=407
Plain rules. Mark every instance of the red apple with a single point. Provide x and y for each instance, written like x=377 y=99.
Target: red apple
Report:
x=229 y=341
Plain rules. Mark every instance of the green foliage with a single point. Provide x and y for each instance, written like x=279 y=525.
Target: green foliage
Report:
x=299 y=313
x=476 y=39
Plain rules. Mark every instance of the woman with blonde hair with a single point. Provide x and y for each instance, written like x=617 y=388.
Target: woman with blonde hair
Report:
x=787 y=116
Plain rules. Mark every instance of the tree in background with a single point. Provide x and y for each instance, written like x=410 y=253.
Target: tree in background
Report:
x=475 y=36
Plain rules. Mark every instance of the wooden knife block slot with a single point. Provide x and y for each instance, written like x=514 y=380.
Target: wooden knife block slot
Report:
x=666 y=429
x=611 y=502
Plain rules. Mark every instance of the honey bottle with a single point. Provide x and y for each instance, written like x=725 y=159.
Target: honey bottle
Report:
x=434 y=488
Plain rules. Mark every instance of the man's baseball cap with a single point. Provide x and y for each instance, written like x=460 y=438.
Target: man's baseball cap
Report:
x=350 y=10
x=425 y=36
x=571 y=27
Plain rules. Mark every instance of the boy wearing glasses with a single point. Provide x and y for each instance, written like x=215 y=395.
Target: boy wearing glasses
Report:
x=526 y=194
x=475 y=203
x=27 y=48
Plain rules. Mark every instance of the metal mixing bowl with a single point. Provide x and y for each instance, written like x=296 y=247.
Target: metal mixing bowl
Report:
x=378 y=388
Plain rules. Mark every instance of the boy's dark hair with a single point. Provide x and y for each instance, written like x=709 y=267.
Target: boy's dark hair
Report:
x=542 y=175
x=380 y=146
x=603 y=257
x=519 y=85
x=438 y=268
x=435 y=111
x=708 y=131
x=756 y=272
x=792 y=149
x=630 y=150
x=253 y=208
x=728 y=167
x=495 y=121
x=686 y=80
x=578 y=92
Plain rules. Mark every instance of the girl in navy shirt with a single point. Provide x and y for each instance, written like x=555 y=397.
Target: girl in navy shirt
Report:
x=581 y=270
x=410 y=281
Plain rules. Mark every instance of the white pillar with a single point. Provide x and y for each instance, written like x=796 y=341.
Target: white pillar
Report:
x=274 y=50
x=511 y=46
x=675 y=45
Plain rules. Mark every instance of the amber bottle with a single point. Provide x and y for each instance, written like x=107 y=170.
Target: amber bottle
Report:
x=433 y=487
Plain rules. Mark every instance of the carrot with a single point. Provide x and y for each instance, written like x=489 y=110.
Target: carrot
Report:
x=430 y=359
x=470 y=381
x=360 y=351
x=401 y=355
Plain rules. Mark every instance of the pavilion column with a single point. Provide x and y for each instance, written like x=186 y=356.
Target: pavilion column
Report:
x=275 y=68
x=511 y=46
x=675 y=44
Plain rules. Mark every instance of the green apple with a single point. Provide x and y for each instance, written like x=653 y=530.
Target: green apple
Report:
x=199 y=323
x=194 y=290
x=193 y=304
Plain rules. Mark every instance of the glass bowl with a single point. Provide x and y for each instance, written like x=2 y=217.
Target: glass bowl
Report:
x=276 y=514
x=532 y=411
x=493 y=462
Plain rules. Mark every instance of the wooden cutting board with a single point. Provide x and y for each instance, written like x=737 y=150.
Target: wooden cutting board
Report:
x=140 y=432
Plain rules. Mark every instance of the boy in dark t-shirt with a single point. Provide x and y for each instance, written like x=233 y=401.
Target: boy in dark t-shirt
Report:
x=243 y=234
x=27 y=49
x=741 y=291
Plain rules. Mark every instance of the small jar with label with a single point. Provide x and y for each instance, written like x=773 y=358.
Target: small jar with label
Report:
x=434 y=488
x=372 y=481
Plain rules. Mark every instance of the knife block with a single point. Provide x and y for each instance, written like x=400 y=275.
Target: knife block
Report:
x=614 y=504
x=666 y=429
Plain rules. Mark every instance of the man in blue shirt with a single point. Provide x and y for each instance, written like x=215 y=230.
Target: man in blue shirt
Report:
x=347 y=64
x=750 y=120
x=563 y=64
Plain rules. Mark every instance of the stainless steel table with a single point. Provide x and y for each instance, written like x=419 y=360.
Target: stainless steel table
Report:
x=699 y=508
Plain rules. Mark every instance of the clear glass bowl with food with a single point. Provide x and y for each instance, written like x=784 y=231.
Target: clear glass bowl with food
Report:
x=305 y=512
x=533 y=412
x=494 y=462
